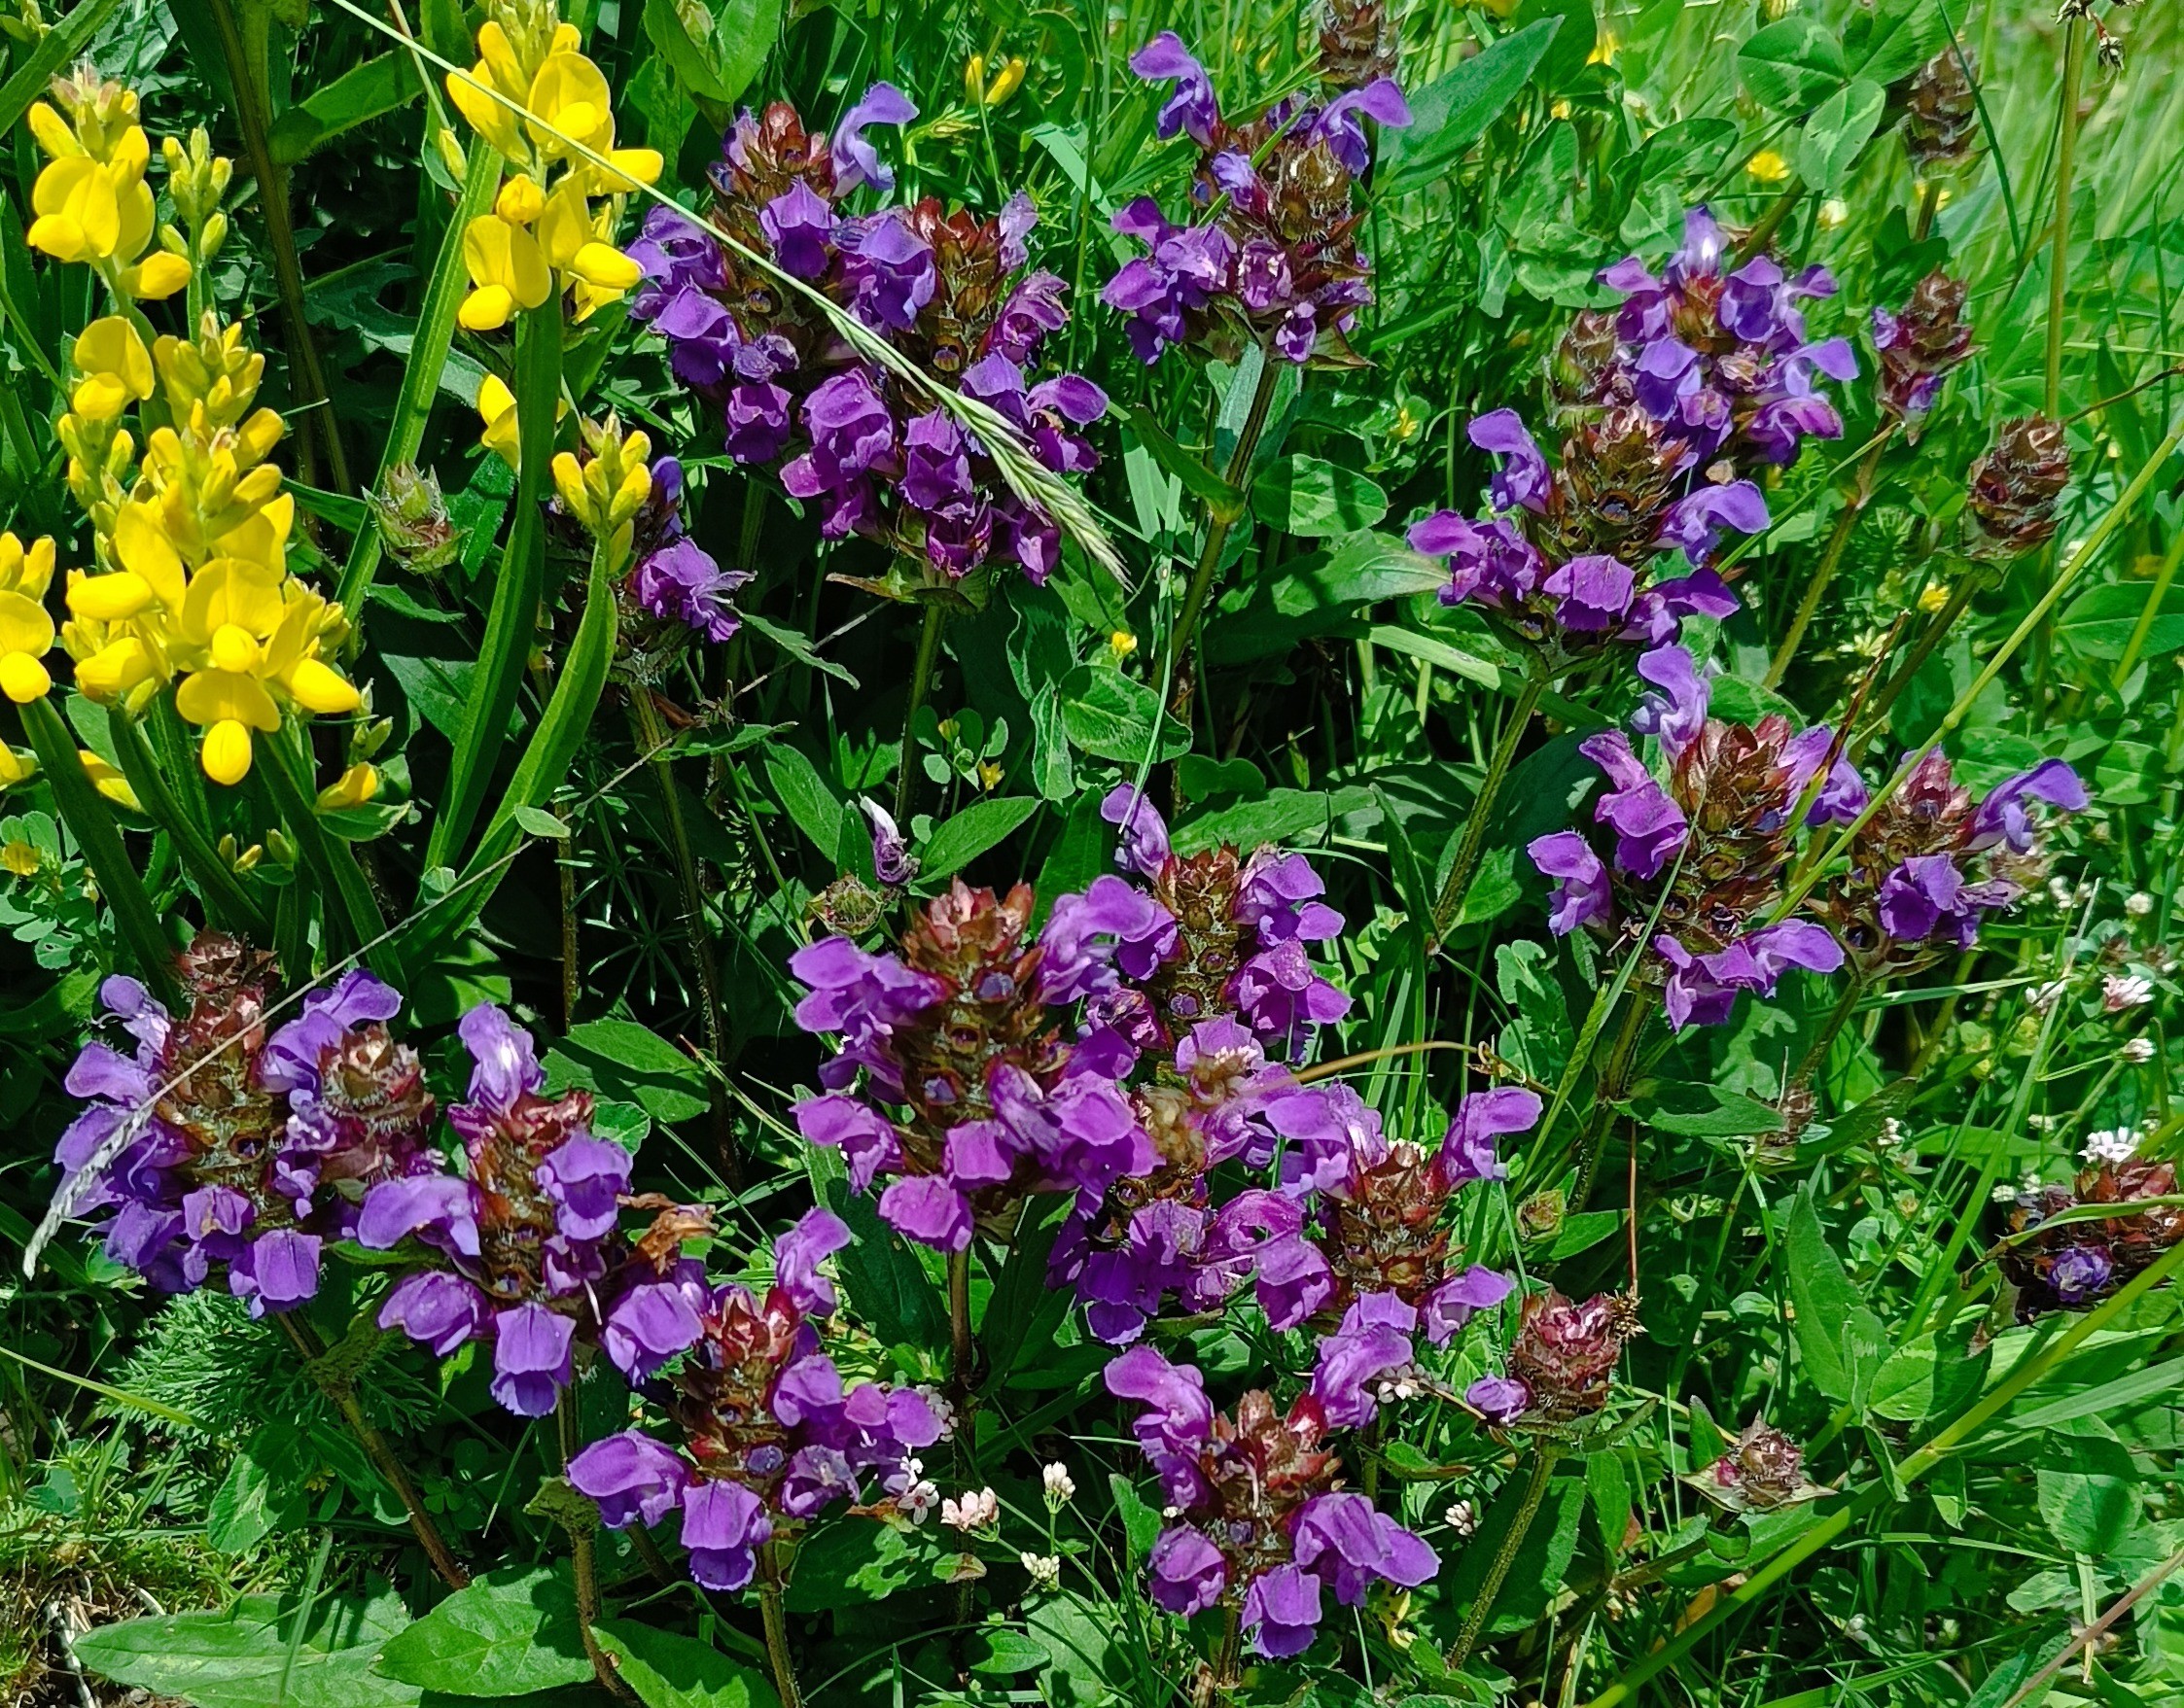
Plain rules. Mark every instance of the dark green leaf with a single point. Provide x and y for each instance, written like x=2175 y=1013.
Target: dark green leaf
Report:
x=1314 y=498
x=1222 y=500
x=970 y=833
x=360 y=93
x=671 y=1671
x=238 y=1658
x=508 y=1634
x=811 y=803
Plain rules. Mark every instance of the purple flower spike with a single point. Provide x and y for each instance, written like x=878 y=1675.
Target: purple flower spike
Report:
x=633 y=1478
x=855 y=161
x=532 y=1359
x=1191 y=108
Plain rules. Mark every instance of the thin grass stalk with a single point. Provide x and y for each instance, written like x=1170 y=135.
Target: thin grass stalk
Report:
x=1846 y=524
x=1470 y=849
x=1236 y=472
x=2066 y=164
x=920 y=684
x=227 y=903
x=1504 y=1556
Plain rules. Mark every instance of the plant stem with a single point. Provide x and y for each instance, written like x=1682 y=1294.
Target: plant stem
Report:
x=1854 y=506
x=776 y=1619
x=1854 y=988
x=1473 y=845
x=584 y=1560
x=652 y=741
x=1770 y=221
x=246 y=72
x=1929 y=203
x=1614 y=1082
x=920 y=684
x=1504 y=1556
x=960 y=1348
x=376 y=1448
x=1235 y=473
x=2065 y=161
x=227 y=903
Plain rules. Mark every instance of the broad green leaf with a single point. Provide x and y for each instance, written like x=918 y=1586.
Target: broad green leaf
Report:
x=507 y=1635
x=743 y=33
x=887 y=1286
x=1834 y=133
x=359 y=95
x=239 y=1658
x=1078 y=1638
x=1840 y=1340
x=1314 y=498
x=249 y=1504
x=624 y=1059
x=2089 y=1493
x=671 y=1671
x=2100 y=622
x=1453 y=112
x=1361 y=571
x=970 y=833
x=1115 y=717
x=1892 y=41
x=805 y=794
x=538 y=821
x=850 y=1559
x=1284 y=816
x=1793 y=64
x=1001 y=1650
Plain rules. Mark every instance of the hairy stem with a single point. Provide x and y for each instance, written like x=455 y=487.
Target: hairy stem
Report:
x=920 y=684
x=1504 y=1556
x=1770 y=222
x=1218 y=527
x=1616 y=1073
x=2065 y=162
x=377 y=1450
x=584 y=1556
x=962 y=1350
x=1846 y=524
x=1473 y=846
x=1853 y=986
x=652 y=741
x=774 y=1613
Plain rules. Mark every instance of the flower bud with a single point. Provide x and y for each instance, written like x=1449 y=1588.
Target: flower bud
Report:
x=2016 y=484
x=1942 y=117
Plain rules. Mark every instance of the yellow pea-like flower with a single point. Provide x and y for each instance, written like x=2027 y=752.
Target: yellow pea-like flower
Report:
x=521 y=200
x=496 y=408
x=26 y=636
x=318 y=687
x=356 y=786
x=109 y=598
x=155 y=278
x=225 y=751
x=115 y=670
x=109 y=781
x=569 y=100
x=16 y=766
x=116 y=369
x=26 y=570
x=507 y=269
x=142 y=544
x=79 y=211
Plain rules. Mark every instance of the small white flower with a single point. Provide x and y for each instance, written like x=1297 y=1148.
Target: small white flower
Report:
x=1060 y=1489
x=2138 y=904
x=1462 y=1517
x=978 y=1510
x=916 y=1502
x=2043 y=1122
x=2030 y=1184
x=2058 y=892
x=2042 y=997
x=944 y=1412
x=2139 y=1050
x=1170 y=1514
x=2122 y=990
x=2004 y=1193
x=1891 y=1135
x=1045 y=1569
x=2112 y=1145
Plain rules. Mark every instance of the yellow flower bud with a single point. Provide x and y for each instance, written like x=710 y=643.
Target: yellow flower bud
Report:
x=226 y=754
x=355 y=788
x=1009 y=80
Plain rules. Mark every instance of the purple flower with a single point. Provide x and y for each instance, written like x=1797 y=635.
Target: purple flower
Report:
x=1113 y=927
x=293 y=1054
x=683 y=584
x=1191 y=106
x=649 y=1325
x=1178 y=1423
x=869 y=1142
x=1523 y=480
x=723 y=1526
x=927 y=1210
x=441 y=1209
x=1345 y=1541
x=1467 y=1149
x=1581 y=894
x=633 y=1478
x=756 y=418
x=797 y=1255
x=855 y=163
x=532 y=1359
x=1281 y=1611
x=1145 y=834
x=1677 y=713
x=1649 y=827
x=1372 y=1344
x=1188 y=1573
x=2080 y=1275
x=1500 y=1399
x=583 y=1180
x=893 y=863
x=1923 y=893
x=276 y=1271
x=2002 y=816
x=1445 y=1311
x=504 y=1063
x=1593 y=593
x=1487 y=561
x=1694 y=524
x=852 y=435
x=891 y=270
x=1843 y=796
x=1339 y=123
x=438 y=1311
x=801 y=226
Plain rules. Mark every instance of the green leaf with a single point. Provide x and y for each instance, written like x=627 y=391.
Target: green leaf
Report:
x=1113 y=716
x=743 y=33
x=1311 y=497
x=633 y=1062
x=1284 y=816
x=1140 y=1519
x=1583 y=1232
x=512 y=618
x=886 y=1285
x=851 y=1559
x=1834 y=133
x=1453 y=112
x=507 y=1635
x=1079 y=1639
x=1003 y=1652
x=970 y=833
x=1218 y=497
x=2098 y=623
x=1838 y=1339
x=796 y=645
x=246 y=1507
x=239 y=1658
x=538 y=821
x=810 y=802
x=357 y=96
x=1793 y=64
x=2089 y=1493
x=670 y=1671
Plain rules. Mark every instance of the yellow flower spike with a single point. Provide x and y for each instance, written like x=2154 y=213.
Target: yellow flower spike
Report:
x=17 y=767
x=570 y=102
x=226 y=754
x=521 y=200
x=29 y=570
x=356 y=786
x=109 y=781
x=26 y=636
x=509 y=271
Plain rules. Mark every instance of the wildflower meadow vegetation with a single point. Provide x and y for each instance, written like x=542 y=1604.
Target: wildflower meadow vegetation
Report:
x=1166 y=854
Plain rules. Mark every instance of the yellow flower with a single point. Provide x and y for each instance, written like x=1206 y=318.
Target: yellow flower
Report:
x=496 y=408
x=245 y=632
x=1768 y=167
x=508 y=272
x=605 y=492
x=1933 y=599
x=29 y=570
x=109 y=781
x=16 y=766
x=26 y=636
x=1006 y=82
x=1122 y=643
x=974 y=77
x=355 y=788
x=569 y=240
x=23 y=858
x=569 y=104
x=116 y=369
x=91 y=201
x=1604 y=49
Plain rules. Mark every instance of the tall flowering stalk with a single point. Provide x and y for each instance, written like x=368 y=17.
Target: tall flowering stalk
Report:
x=1258 y=1522
x=771 y=1432
x=229 y=1149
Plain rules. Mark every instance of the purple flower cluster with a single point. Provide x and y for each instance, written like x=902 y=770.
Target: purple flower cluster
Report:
x=1718 y=835
x=220 y=1146
x=524 y=1244
x=1561 y=1361
x=675 y=579
x=772 y=1434
x=1269 y=256
x=1257 y=1520
x=951 y=291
